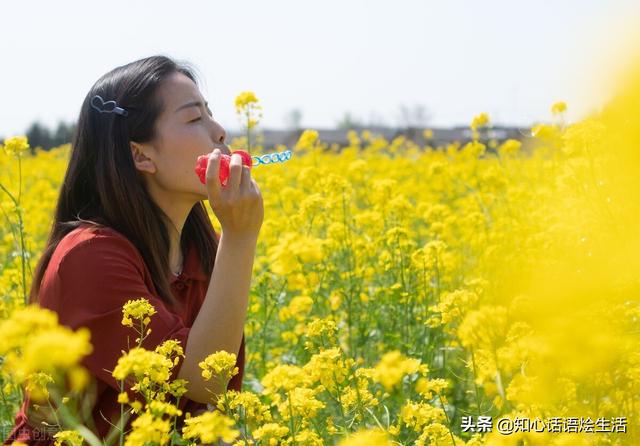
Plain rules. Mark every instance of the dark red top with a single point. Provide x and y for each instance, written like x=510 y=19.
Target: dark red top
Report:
x=91 y=275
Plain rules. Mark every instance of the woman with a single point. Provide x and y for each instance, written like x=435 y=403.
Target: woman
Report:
x=130 y=223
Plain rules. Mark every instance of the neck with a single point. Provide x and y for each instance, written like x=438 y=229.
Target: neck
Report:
x=176 y=261
x=176 y=224
x=177 y=207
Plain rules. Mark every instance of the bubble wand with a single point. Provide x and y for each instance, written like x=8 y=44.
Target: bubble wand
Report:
x=247 y=106
x=247 y=160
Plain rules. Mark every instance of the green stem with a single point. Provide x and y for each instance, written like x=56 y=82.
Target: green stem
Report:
x=16 y=203
x=22 y=255
x=475 y=385
x=121 y=426
x=71 y=421
x=376 y=419
x=338 y=392
x=4 y=399
x=24 y=273
x=293 y=432
x=173 y=427
x=19 y=177
x=9 y=223
x=248 y=130
x=448 y=421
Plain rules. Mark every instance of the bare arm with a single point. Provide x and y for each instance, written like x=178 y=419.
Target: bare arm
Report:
x=220 y=322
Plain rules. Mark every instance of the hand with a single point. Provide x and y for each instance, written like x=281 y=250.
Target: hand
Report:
x=237 y=205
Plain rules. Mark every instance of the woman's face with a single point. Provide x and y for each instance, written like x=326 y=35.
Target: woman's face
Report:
x=185 y=130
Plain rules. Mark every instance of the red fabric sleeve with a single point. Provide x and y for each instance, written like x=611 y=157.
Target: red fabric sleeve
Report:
x=98 y=276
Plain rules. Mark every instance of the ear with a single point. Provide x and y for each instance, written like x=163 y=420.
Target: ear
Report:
x=140 y=159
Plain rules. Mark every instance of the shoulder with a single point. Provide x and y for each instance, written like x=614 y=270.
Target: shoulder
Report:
x=89 y=244
x=93 y=264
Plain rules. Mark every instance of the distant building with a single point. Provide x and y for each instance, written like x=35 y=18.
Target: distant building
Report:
x=440 y=136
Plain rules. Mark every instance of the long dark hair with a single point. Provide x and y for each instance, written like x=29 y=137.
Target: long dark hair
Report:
x=102 y=186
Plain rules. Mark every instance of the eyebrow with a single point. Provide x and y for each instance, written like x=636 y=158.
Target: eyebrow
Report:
x=191 y=104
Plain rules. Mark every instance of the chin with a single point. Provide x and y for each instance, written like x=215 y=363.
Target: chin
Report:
x=196 y=194
x=202 y=194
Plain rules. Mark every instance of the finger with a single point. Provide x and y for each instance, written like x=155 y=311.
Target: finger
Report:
x=245 y=182
x=213 y=174
x=235 y=171
x=254 y=186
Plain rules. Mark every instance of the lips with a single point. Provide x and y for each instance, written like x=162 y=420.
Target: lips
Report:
x=223 y=148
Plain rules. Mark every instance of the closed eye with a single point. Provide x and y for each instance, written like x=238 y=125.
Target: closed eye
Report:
x=200 y=117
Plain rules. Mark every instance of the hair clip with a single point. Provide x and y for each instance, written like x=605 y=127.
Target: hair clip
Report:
x=107 y=107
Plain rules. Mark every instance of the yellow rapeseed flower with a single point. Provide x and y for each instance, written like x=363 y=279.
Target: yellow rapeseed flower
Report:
x=160 y=408
x=427 y=387
x=297 y=308
x=359 y=394
x=71 y=437
x=484 y=328
x=307 y=140
x=453 y=305
x=301 y=402
x=558 y=108
x=394 y=366
x=417 y=415
x=474 y=149
x=509 y=147
x=547 y=133
x=169 y=348
x=249 y=109
x=143 y=363
x=317 y=327
x=254 y=411
x=210 y=427
x=36 y=385
x=328 y=368
x=320 y=331
x=51 y=349
x=123 y=398
x=244 y=100
x=375 y=436
x=148 y=429
x=60 y=348
x=139 y=309
x=335 y=300
x=271 y=434
x=479 y=121
x=220 y=364
x=16 y=145
x=308 y=437
x=284 y=377
x=23 y=322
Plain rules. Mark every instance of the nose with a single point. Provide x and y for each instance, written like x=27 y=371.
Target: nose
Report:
x=223 y=135
x=219 y=136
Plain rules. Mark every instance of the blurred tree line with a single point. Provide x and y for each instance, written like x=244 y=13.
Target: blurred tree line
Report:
x=42 y=136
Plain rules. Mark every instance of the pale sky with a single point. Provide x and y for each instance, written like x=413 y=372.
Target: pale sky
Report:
x=510 y=58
